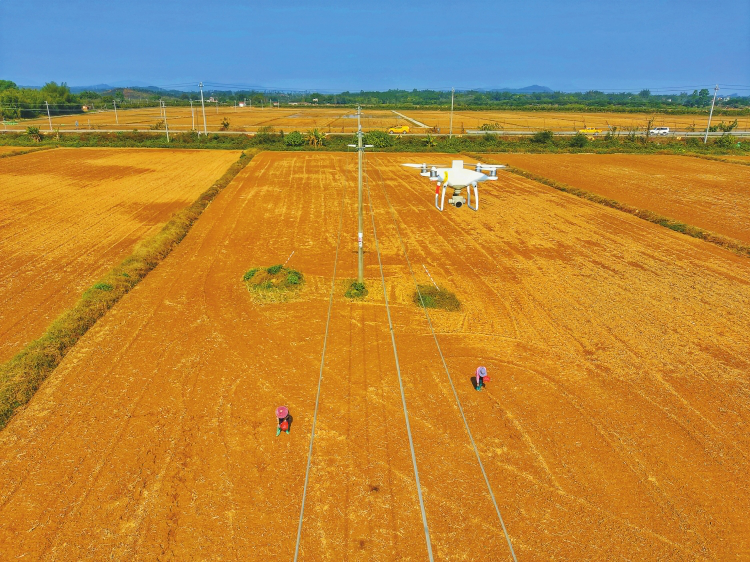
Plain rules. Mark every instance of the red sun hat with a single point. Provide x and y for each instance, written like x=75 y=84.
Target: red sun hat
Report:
x=282 y=412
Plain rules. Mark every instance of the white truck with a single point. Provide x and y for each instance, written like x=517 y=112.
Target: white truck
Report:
x=664 y=131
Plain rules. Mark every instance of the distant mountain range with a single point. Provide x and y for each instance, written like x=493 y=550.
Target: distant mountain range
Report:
x=534 y=89
x=527 y=90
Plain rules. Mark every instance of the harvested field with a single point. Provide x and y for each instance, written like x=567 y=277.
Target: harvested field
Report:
x=714 y=196
x=562 y=120
x=249 y=119
x=68 y=215
x=12 y=149
x=617 y=416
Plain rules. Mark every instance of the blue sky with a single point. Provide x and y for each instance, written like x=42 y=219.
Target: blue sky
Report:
x=569 y=45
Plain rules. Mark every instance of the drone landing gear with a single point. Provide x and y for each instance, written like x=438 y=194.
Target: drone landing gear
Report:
x=437 y=194
x=476 y=196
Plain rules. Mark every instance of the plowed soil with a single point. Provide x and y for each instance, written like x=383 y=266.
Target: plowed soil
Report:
x=564 y=120
x=615 y=425
x=68 y=215
x=708 y=194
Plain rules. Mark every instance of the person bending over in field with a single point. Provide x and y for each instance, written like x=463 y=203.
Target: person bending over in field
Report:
x=285 y=420
x=481 y=377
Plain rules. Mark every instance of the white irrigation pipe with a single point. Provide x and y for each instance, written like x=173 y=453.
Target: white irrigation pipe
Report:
x=430 y=276
x=445 y=365
x=320 y=380
x=290 y=257
x=400 y=383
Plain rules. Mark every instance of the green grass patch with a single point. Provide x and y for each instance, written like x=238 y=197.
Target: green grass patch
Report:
x=356 y=290
x=22 y=375
x=273 y=283
x=430 y=296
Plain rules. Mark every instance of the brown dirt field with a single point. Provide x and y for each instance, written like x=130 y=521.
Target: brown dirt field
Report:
x=708 y=194
x=69 y=215
x=250 y=119
x=615 y=426
x=12 y=149
x=561 y=121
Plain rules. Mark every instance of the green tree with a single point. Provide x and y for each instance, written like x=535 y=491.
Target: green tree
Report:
x=378 y=139
x=579 y=140
x=294 y=138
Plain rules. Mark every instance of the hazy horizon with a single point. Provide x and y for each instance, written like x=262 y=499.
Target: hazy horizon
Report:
x=574 y=46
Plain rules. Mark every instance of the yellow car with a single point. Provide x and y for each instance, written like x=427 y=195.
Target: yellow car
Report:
x=400 y=130
x=589 y=131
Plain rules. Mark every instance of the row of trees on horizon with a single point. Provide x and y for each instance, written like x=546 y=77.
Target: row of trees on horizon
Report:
x=20 y=103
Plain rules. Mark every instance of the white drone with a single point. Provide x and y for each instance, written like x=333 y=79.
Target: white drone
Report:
x=458 y=177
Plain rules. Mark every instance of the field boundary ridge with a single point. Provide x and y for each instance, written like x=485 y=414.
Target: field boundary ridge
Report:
x=23 y=374
x=22 y=152
x=718 y=159
x=725 y=242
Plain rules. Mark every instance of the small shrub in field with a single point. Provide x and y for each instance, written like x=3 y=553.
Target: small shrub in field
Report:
x=378 y=139
x=490 y=126
x=103 y=287
x=542 y=137
x=726 y=141
x=579 y=140
x=272 y=283
x=294 y=138
x=431 y=297
x=356 y=291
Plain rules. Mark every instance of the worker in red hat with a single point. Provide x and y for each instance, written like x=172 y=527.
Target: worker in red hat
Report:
x=285 y=419
x=481 y=377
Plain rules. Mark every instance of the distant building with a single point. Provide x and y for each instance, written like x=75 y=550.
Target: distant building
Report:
x=241 y=104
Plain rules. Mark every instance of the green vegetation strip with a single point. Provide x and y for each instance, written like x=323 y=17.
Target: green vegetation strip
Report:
x=430 y=296
x=694 y=231
x=719 y=159
x=22 y=375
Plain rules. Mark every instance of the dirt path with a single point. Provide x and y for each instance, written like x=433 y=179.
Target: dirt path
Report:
x=615 y=424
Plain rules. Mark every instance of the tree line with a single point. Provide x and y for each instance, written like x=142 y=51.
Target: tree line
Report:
x=19 y=103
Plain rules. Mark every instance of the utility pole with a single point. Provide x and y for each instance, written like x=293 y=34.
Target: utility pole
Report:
x=205 y=131
x=450 y=132
x=705 y=138
x=48 y=116
x=360 y=151
x=192 y=114
x=116 y=119
x=166 y=126
x=217 y=106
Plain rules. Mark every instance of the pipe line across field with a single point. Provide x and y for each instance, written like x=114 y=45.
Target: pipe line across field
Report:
x=320 y=375
x=400 y=383
x=445 y=365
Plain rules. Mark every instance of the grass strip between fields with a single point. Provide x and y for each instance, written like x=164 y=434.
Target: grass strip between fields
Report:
x=718 y=159
x=22 y=375
x=724 y=241
x=20 y=152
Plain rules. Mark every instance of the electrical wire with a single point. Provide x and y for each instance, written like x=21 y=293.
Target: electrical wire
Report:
x=447 y=371
x=320 y=376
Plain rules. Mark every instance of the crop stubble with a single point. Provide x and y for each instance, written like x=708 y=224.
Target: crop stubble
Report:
x=68 y=215
x=615 y=424
x=711 y=195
